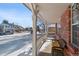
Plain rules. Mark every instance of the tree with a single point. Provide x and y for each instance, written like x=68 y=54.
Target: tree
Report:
x=5 y=21
x=38 y=28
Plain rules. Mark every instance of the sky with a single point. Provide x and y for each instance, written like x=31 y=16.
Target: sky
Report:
x=16 y=13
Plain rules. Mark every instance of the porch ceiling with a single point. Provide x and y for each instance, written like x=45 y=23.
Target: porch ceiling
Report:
x=51 y=11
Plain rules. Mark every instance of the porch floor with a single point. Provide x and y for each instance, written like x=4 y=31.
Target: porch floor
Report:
x=46 y=49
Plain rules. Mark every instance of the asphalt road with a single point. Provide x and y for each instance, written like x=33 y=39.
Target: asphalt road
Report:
x=13 y=44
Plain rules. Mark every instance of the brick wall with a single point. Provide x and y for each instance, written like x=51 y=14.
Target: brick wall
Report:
x=66 y=30
x=66 y=25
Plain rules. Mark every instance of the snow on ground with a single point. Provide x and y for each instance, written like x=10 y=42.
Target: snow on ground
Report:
x=7 y=38
x=23 y=51
x=14 y=35
x=16 y=44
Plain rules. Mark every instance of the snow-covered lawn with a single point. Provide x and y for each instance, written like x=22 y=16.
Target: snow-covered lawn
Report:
x=7 y=38
x=14 y=35
x=13 y=45
x=24 y=50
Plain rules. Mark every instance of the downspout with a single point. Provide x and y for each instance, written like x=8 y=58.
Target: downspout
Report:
x=56 y=28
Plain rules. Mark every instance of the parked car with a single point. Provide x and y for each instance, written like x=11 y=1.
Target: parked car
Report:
x=8 y=32
x=1 y=33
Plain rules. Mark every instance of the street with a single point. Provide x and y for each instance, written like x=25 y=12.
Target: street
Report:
x=12 y=45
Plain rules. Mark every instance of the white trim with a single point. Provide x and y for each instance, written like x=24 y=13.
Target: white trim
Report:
x=71 y=24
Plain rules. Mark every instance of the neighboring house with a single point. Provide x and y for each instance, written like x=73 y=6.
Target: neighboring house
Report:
x=18 y=28
x=10 y=28
x=6 y=28
x=1 y=30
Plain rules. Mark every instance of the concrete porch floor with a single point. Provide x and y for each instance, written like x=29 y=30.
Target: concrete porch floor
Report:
x=46 y=49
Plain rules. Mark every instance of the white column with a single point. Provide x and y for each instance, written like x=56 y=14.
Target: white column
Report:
x=46 y=29
x=34 y=40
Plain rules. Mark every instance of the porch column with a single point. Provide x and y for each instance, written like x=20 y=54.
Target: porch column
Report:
x=34 y=41
x=46 y=29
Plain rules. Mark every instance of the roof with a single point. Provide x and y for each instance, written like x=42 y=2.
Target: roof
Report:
x=51 y=12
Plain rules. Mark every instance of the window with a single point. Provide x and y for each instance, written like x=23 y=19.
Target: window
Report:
x=75 y=24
